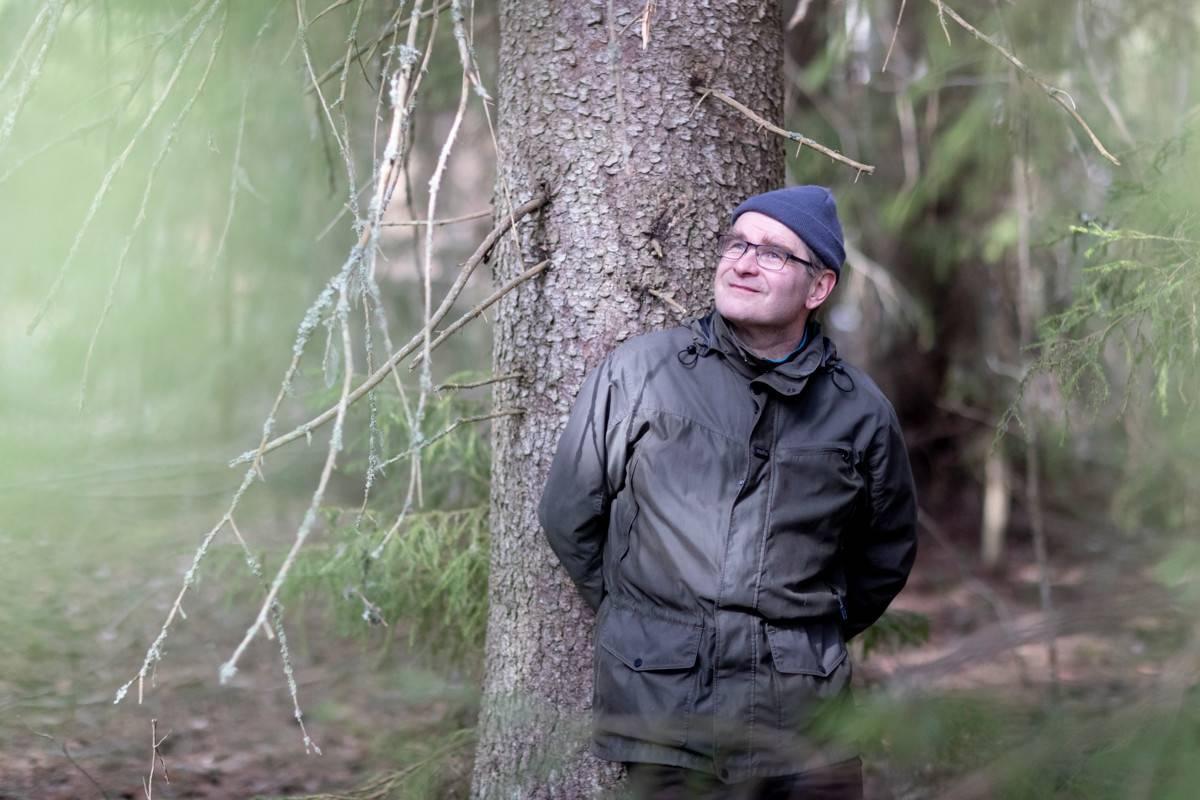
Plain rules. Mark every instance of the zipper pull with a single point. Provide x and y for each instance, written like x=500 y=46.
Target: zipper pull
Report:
x=841 y=607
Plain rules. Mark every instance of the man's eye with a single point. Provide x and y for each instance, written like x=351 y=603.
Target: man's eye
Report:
x=771 y=254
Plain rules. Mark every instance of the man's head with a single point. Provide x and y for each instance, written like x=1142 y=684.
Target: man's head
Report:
x=779 y=262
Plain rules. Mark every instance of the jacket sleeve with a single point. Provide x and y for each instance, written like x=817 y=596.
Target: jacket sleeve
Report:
x=587 y=471
x=879 y=558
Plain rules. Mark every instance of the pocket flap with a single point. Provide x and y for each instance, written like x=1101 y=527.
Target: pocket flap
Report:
x=644 y=642
x=814 y=648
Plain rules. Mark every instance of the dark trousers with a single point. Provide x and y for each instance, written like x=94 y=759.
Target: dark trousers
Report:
x=840 y=781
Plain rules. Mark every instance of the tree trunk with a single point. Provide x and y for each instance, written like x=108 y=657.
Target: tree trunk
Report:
x=642 y=180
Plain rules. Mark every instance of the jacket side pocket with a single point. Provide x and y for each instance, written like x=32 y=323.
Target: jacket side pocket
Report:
x=645 y=675
x=811 y=665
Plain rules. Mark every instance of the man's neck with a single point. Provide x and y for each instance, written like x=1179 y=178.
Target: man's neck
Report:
x=771 y=344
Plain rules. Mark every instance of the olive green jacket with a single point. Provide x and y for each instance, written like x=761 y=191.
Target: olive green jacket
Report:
x=733 y=521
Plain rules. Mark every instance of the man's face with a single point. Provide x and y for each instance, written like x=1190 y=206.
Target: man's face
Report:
x=761 y=303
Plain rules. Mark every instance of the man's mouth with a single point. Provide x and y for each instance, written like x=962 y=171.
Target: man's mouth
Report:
x=743 y=288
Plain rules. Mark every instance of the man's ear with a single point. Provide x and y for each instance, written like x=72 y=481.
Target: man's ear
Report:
x=820 y=289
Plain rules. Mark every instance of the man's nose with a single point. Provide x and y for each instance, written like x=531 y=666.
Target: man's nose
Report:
x=747 y=262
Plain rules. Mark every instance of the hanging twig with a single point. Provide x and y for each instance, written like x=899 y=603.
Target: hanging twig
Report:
x=647 y=13
x=1056 y=94
x=895 y=33
x=382 y=372
x=229 y=668
x=140 y=217
x=25 y=41
x=370 y=46
x=117 y=165
x=799 y=138
x=55 y=9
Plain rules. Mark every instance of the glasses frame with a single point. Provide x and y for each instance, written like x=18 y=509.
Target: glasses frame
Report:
x=729 y=240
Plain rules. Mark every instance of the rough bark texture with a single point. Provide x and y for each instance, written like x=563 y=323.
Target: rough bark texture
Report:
x=642 y=180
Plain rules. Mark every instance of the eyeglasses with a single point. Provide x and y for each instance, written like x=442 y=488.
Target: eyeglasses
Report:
x=767 y=256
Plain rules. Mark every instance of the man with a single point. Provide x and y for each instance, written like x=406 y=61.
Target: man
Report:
x=736 y=503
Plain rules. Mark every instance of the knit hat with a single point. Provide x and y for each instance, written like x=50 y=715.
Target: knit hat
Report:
x=810 y=212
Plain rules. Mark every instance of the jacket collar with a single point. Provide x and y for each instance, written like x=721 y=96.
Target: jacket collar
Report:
x=713 y=334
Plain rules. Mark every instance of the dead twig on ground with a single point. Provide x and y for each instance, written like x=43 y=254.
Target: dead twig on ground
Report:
x=67 y=753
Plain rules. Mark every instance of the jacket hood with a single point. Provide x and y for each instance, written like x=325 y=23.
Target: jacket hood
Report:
x=712 y=334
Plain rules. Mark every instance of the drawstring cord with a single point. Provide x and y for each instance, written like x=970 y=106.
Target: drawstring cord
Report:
x=835 y=369
x=689 y=355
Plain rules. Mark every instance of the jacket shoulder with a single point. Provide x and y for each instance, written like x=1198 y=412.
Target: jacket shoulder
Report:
x=649 y=348
x=871 y=398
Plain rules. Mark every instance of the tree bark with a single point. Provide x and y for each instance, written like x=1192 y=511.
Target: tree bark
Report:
x=642 y=179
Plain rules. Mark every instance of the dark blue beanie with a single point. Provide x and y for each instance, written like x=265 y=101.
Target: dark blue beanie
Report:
x=810 y=213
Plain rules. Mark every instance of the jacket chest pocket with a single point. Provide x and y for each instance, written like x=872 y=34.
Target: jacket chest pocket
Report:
x=646 y=676
x=814 y=493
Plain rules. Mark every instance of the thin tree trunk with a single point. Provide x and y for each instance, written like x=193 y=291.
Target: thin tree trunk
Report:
x=642 y=180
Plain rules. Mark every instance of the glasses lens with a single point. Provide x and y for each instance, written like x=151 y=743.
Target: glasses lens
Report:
x=731 y=247
x=770 y=258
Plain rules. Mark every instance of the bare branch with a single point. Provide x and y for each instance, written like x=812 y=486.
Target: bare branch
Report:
x=669 y=300
x=327 y=9
x=450 y=385
x=483 y=306
x=1056 y=94
x=800 y=138
x=647 y=13
x=895 y=33
x=445 y=221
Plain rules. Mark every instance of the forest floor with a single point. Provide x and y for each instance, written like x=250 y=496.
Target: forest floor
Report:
x=76 y=631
